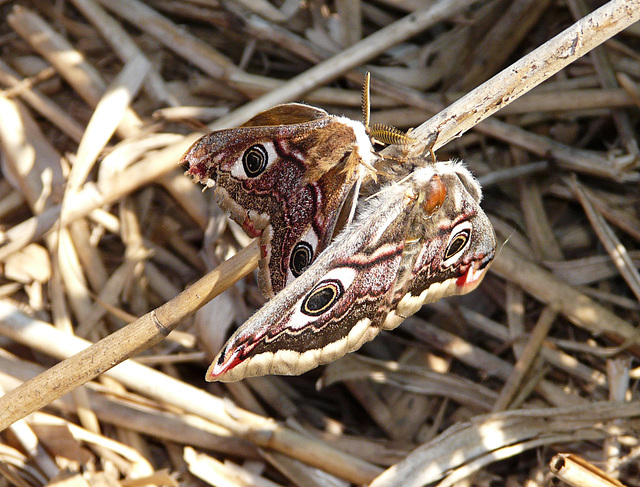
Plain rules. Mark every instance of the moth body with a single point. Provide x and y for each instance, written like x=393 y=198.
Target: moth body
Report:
x=362 y=141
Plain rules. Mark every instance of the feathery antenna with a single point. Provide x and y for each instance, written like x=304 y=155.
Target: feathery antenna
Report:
x=366 y=105
x=381 y=133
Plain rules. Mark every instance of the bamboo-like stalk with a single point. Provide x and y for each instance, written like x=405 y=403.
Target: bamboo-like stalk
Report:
x=127 y=342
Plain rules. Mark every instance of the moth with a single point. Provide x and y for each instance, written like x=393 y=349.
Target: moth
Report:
x=420 y=237
x=291 y=177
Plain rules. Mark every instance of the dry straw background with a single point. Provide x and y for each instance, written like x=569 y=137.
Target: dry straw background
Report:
x=530 y=379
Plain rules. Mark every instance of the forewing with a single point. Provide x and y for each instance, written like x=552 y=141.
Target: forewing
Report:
x=262 y=177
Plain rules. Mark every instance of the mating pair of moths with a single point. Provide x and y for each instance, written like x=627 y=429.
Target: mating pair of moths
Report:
x=342 y=265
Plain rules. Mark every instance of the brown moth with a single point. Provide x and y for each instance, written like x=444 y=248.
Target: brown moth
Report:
x=286 y=176
x=291 y=176
x=419 y=238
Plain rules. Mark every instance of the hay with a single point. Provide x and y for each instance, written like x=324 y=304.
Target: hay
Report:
x=99 y=227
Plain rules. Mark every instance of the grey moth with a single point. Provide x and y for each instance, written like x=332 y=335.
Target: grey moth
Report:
x=419 y=237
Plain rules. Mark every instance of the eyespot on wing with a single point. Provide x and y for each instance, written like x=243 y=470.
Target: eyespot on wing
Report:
x=322 y=298
x=254 y=160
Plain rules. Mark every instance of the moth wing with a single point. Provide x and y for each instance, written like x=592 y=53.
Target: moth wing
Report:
x=338 y=304
x=455 y=260
x=399 y=253
x=286 y=114
x=267 y=177
x=448 y=247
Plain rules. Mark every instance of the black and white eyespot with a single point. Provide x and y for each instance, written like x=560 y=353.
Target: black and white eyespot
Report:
x=255 y=160
x=302 y=254
x=457 y=244
x=322 y=297
x=301 y=257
